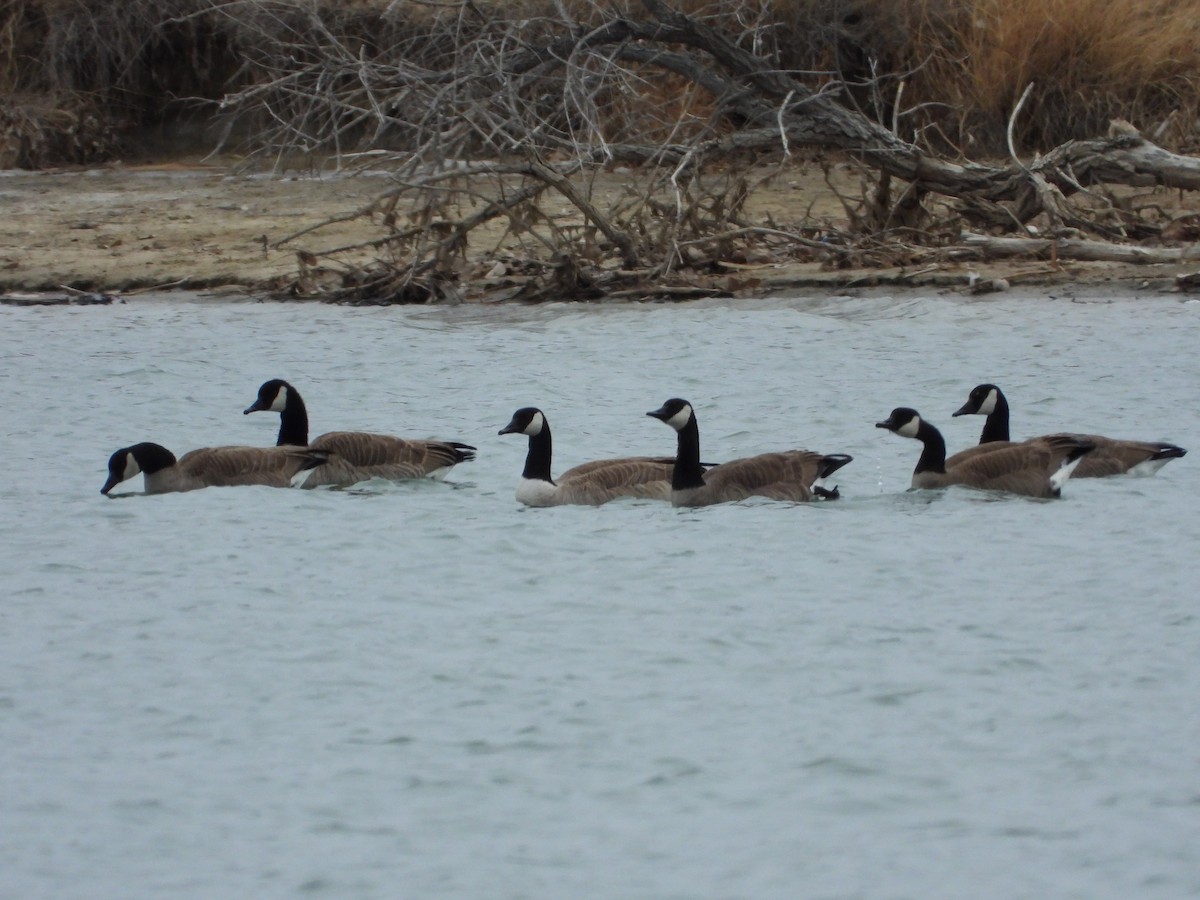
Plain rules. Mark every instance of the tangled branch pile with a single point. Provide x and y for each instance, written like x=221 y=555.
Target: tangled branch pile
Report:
x=503 y=114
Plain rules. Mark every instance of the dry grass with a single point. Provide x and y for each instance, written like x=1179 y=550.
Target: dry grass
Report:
x=1089 y=60
x=962 y=63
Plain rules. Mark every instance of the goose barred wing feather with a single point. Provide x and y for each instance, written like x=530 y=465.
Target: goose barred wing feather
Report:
x=230 y=466
x=624 y=470
x=788 y=475
x=358 y=456
x=602 y=480
x=1022 y=468
x=963 y=456
x=1116 y=457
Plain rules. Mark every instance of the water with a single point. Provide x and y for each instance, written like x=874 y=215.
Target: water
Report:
x=425 y=690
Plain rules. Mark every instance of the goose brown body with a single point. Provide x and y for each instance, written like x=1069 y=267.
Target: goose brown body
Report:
x=794 y=475
x=785 y=475
x=210 y=467
x=356 y=455
x=1034 y=468
x=1112 y=456
x=588 y=484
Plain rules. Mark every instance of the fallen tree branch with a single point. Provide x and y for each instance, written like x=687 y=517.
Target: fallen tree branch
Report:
x=982 y=246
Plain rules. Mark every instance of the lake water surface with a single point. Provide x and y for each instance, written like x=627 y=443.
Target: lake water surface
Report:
x=425 y=690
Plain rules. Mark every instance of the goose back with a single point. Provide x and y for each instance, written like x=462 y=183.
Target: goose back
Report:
x=784 y=475
x=589 y=484
x=795 y=475
x=356 y=455
x=1034 y=468
x=1111 y=456
x=210 y=467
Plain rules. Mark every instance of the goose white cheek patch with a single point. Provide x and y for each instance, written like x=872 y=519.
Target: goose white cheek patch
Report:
x=680 y=418
x=535 y=426
x=989 y=404
x=280 y=402
x=910 y=428
x=131 y=467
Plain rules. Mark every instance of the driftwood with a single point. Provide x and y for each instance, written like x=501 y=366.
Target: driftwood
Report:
x=982 y=246
x=504 y=98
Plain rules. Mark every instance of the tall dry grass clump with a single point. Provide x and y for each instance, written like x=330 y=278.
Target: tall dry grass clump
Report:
x=963 y=64
x=1089 y=61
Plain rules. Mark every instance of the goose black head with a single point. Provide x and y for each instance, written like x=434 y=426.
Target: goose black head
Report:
x=981 y=401
x=903 y=421
x=675 y=412
x=526 y=420
x=272 y=397
x=129 y=461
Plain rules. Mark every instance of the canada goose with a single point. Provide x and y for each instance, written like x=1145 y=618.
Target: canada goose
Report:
x=209 y=466
x=1035 y=468
x=1111 y=456
x=790 y=475
x=356 y=455
x=589 y=484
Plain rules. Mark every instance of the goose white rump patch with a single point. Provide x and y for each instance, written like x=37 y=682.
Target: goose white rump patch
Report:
x=1147 y=467
x=1059 y=478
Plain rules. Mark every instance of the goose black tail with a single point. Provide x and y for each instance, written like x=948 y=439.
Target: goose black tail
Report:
x=314 y=458
x=463 y=452
x=832 y=462
x=1169 y=451
x=1081 y=449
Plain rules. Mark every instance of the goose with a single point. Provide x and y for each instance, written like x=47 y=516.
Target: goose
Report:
x=796 y=475
x=356 y=455
x=1111 y=456
x=209 y=466
x=589 y=484
x=1034 y=468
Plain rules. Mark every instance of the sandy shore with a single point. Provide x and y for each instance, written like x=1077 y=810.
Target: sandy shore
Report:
x=172 y=225
x=120 y=229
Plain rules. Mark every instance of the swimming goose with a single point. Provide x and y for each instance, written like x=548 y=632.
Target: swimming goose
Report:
x=209 y=466
x=356 y=455
x=796 y=475
x=1035 y=468
x=1111 y=456
x=589 y=484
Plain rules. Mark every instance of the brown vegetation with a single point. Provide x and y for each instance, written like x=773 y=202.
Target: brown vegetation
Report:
x=484 y=112
x=962 y=65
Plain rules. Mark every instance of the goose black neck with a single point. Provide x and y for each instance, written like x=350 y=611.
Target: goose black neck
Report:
x=688 y=473
x=933 y=452
x=293 y=421
x=152 y=458
x=537 y=460
x=995 y=427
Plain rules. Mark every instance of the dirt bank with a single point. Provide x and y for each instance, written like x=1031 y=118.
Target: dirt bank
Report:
x=193 y=225
x=187 y=225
